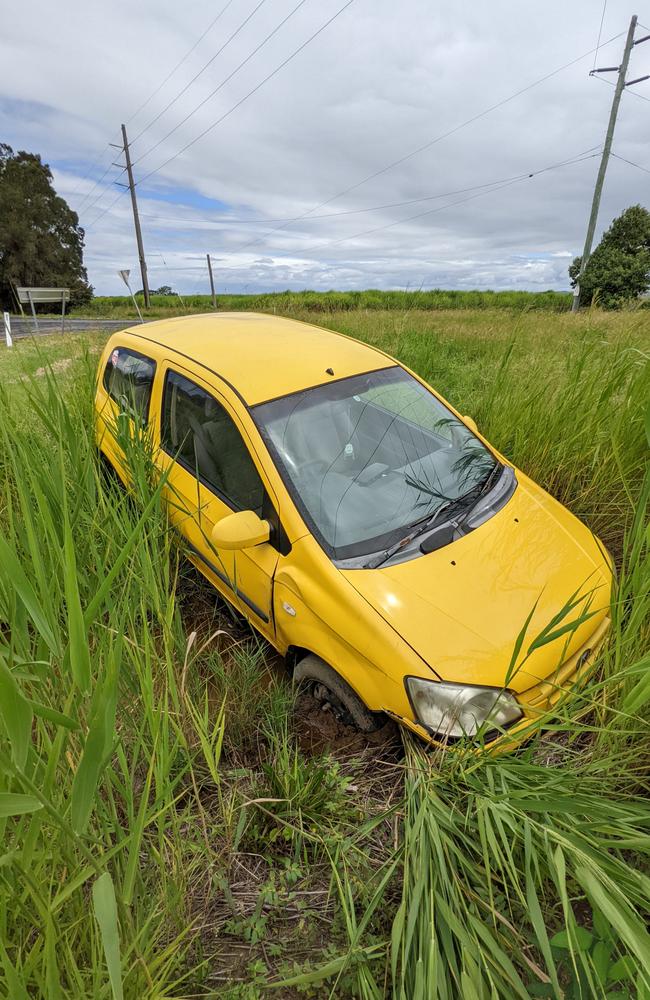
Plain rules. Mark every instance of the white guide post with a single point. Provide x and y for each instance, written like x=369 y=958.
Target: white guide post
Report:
x=7 y=324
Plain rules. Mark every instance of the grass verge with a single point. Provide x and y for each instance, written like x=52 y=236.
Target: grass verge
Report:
x=165 y=830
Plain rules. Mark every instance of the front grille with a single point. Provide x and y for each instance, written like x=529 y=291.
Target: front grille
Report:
x=548 y=692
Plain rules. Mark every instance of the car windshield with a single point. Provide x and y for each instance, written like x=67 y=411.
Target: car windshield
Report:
x=367 y=457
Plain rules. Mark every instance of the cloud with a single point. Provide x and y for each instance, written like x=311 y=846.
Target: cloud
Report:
x=382 y=80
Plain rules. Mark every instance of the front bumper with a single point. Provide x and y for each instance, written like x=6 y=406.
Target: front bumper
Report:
x=539 y=700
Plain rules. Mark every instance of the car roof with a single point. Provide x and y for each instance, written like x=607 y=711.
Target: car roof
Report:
x=262 y=356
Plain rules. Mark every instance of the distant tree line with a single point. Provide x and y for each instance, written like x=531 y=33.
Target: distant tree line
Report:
x=42 y=243
x=163 y=290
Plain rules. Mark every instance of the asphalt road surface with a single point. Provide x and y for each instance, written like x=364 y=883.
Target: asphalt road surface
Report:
x=25 y=327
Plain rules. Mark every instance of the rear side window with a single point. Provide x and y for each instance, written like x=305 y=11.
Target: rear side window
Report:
x=202 y=437
x=128 y=378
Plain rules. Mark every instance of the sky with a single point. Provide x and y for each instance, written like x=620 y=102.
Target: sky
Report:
x=330 y=144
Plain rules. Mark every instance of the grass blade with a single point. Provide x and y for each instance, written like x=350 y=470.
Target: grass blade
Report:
x=105 y=908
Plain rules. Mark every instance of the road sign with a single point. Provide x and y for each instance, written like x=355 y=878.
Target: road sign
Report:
x=124 y=275
x=32 y=296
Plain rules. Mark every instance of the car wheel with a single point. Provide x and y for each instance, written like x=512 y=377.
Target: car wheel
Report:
x=328 y=687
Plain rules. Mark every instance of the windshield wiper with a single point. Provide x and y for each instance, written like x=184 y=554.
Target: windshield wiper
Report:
x=420 y=527
x=491 y=478
x=426 y=524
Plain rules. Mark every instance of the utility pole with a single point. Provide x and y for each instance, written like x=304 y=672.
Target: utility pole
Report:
x=214 y=297
x=604 y=160
x=136 y=218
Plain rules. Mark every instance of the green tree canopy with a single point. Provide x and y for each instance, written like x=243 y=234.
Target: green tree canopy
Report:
x=618 y=270
x=41 y=241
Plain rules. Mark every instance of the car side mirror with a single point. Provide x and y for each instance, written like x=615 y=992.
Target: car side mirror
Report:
x=471 y=423
x=240 y=530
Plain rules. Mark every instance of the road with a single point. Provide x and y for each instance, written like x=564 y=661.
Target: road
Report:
x=24 y=326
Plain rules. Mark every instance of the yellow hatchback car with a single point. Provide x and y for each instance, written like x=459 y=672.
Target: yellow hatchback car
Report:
x=361 y=525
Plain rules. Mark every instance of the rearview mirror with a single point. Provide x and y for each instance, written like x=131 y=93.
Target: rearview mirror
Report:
x=471 y=423
x=241 y=530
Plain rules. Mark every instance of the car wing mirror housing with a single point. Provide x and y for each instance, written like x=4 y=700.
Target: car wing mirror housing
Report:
x=240 y=530
x=471 y=423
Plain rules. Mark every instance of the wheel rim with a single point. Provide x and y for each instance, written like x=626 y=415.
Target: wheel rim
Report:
x=324 y=696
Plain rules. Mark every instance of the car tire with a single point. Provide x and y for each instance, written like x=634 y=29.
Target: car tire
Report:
x=326 y=685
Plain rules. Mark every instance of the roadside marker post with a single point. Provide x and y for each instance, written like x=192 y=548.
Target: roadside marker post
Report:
x=7 y=323
x=124 y=275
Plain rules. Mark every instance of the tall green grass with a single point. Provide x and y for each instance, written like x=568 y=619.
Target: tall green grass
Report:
x=163 y=833
x=371 y=299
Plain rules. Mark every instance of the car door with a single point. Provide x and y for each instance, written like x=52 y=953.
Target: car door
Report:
x=211 y=472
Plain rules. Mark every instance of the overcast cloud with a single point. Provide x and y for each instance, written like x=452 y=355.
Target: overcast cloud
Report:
x=381 y=80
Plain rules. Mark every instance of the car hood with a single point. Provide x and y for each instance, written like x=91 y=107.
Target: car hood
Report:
x=462 y=607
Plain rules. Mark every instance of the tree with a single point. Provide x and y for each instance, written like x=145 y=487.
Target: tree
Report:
x=618 y=270
x=41 y=241
x=163 y=290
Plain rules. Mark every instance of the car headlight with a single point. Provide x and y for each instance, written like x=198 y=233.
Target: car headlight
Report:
x=455 y=710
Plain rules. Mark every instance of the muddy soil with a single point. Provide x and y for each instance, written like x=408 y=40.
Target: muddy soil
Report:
x=319 y=731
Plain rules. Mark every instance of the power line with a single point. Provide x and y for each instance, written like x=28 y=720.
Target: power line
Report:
x=439 y=138
x=241 y=101
x=141 y=108
x=632 y=163
x=93 y=164
x=225 y=221
x=98 y=198
x=579 y=158
x=223 y=82
x=101 y=215
x=485 y=186
x=636 y=93
x=200 y=73
x=600 y=31
x=250 y=92
x=179 y=63
x=609 y=83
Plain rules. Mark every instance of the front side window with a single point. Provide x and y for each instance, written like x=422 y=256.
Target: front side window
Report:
x=198 y=432
x=128 y=378
x=368 y=456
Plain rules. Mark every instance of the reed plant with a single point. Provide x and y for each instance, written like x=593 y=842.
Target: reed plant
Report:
x=158 y=814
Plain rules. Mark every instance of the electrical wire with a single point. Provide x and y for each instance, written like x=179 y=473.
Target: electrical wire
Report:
x=179 y=63
x=95 y=202
x=223 y=82
x=579 y=158
x=225 y=222
x=486 y=187
x=626 y=90
x=632 y=163
x=600 y=31
x=250 y=93
x=95 y=185
x=641 y=97
x=200 y=73
x=108 y=208
x=93 y=164
x=439 y=138
x=141 y=108
x=241 y=101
